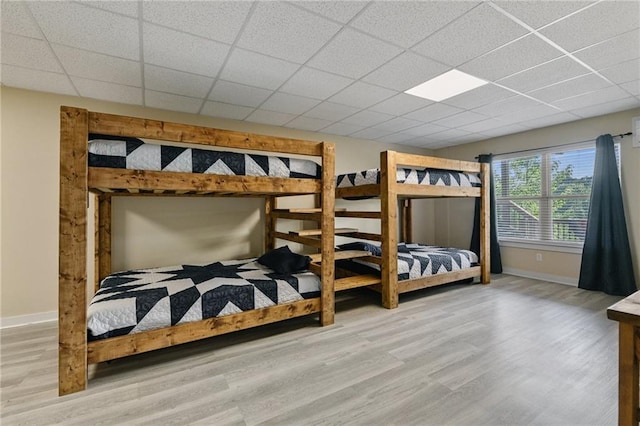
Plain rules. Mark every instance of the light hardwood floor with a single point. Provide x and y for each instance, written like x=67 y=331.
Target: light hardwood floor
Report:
x=516 y=352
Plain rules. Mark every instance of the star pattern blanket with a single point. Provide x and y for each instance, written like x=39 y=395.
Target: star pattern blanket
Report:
x=145 y=299
x=418 y=260
x=132 y=153
x=414 y=176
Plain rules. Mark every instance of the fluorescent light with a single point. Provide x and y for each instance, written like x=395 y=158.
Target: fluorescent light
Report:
x=446 y=85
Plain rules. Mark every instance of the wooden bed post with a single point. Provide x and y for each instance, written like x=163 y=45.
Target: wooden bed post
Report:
x=72 y=263
x=270 y=204
x=406 y=221
x=103 y=207
x=485 y=224
x=389 y=224
x=327 y=313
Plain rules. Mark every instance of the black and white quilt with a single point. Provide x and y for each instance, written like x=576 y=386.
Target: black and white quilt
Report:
x=419 y=260
x=132 y=153
x=412 y=176
x=145 y=299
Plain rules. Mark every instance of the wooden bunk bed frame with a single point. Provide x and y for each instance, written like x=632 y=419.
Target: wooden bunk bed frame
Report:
x=390 y=192
x=78 y=180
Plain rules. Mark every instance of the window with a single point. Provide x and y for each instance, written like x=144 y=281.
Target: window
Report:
x=542 y=196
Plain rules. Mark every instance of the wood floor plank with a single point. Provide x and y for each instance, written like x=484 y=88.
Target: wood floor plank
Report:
x=518 y=352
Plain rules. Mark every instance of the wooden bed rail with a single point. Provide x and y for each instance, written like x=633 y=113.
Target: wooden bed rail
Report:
x=402 y=159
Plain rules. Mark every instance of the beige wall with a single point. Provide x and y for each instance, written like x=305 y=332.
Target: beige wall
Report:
x=158 y=231
x=563 y=267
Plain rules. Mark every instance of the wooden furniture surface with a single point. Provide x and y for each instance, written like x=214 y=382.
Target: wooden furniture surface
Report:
x=627 y=313
x=77 y=180
x=390 y=193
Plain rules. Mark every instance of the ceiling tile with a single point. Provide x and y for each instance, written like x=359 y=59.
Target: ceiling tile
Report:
x=342 y=129
x=623 y=72
x=353 y=54
x=238 y=94
x=367 y=118
x=425 y=129
x=76 y=25
x=286 y=32
x=477 y=32
x=479 y=96
x=307 y=123
x=257 y=70
x=290 y=104
x=632 y=87
x=450 y=134
x=397 y=124
x=607 y=107
x=396 y=138
x=400 y=104
x=553 y=72
x=461 y=119
x=16 y=19
x=517 y=56
x=108 y=91
x=370 y=134
x=598 y=23
x=506 y=106
x=315 y=84
x=408 y=22
x=177 y=82
x=270 y=117
x=550 y=120
x=171 y=102
x=129 y=8
x=331 y=111
x=82 y=63
x=218 y=109
x=613 y=51
x=361 y=95
x=405 y=71
x=524 y=114
x=567 y=89
x=433 y=112
x=480 y=126
x=506 y=130
x=341 y=11
x=536 y=14
x=609 y=94
x=42 y=81
x=183 y=52
x=216 y=20
x=28 y=53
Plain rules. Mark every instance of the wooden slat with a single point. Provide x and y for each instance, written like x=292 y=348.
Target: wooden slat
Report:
x=72 y=313
x=359 y=215
x=311 y=232
x=327 y=225
x=389 y=226
x=104 y=237
x=134 y=180
x=424 y=161
x=309 y=210
x=117 y=347
x=438 y=279
x=341 y=255
x=485 y=224
x=163 y=130
x=356 y=281
x=429 y=191
x=96 y=243
x=363 y=236
x=270 y=205
x=311 y=242
x=372 y=190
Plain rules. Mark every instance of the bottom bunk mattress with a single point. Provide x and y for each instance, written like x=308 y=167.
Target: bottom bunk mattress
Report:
x=416 y=260
x=145 y=299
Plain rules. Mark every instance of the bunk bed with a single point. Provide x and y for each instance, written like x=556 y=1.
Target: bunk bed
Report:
x=400 y=178
x=111 y=166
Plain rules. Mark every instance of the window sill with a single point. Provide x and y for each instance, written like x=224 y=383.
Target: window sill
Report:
x=543 y=245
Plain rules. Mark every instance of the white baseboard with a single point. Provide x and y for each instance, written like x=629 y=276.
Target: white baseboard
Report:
x=19 y=320
x=540 y=276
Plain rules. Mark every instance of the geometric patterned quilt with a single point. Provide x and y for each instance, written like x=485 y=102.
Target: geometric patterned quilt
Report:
x=145 y=299
x=131 y=153
x=419 y=260
x=412 y=176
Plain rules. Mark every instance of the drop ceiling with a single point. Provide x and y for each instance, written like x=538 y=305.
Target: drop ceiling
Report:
x=336 y=67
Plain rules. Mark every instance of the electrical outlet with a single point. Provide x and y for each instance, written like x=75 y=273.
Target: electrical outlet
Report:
x=539 y=257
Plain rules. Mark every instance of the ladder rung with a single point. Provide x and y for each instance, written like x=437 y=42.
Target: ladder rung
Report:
x=309 y=232
x=356 y=281
x=308 y=210
x=340 y=255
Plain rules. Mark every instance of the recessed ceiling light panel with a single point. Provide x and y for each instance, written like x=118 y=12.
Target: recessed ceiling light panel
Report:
x=446 y=86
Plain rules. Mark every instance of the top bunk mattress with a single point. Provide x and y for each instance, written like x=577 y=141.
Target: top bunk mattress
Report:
x=437 y=177
x=133 y=153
